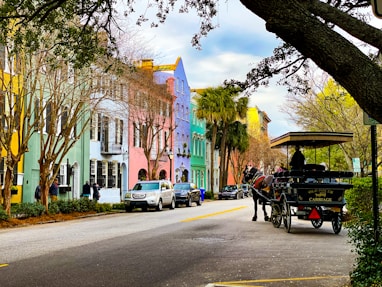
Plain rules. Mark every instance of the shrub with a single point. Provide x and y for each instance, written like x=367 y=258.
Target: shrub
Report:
x=209 y=195
x=86 y=205
x=65 y=207
x=102 y=207
x=53 y=208
x=118 y=206
x=360 y=197
x=368 y=268
x=27 y=209
x=3 y=214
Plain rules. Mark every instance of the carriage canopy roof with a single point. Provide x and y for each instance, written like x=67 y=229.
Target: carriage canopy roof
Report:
x=311 y=139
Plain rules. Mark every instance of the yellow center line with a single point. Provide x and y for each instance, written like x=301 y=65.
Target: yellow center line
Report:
x=3 y=265
x=213 y=214
x=237 y=283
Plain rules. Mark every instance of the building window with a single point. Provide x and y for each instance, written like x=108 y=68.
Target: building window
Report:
x=110 y=175
x=101 y=173
x=64 y=119
x=63 y=175
x=136 y=135
x=118 y=131
x=93 y=171
x=48 y=117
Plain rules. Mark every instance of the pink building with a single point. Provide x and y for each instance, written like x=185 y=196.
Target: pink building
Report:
x=151 y=125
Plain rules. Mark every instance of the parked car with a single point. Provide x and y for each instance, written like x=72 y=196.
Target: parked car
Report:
x=187 y=193
x=153 y=193
x=246 y=189
x=231 y=191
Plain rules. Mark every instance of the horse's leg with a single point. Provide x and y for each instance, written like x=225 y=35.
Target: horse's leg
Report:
x=266 y=217
x=254 y=218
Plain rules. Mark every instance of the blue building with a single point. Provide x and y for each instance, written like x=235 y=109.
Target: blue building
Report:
x=181 y=144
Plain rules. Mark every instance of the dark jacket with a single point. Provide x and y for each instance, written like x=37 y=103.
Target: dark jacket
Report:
x=86 y=189
x=53 y=189
x=96 y=194
x=37 y=193
x=298 y=161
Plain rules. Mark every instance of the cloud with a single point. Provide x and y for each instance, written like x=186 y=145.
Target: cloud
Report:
x=228 y=52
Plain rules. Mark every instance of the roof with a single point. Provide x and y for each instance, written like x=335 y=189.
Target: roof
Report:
x=311 y=139
x=167 y=67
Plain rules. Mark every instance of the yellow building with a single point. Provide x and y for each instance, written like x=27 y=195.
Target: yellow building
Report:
x=11 y=107
x=257 y=122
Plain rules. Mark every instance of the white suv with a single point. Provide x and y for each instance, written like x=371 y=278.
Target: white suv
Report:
x=151 y=193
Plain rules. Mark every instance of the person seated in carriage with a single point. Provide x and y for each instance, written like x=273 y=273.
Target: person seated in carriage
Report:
x=281 y=167
x=298 y=160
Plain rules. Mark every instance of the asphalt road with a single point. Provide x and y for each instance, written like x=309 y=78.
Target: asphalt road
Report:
x=215 y=244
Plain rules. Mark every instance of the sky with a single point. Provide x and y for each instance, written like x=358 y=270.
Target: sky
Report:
x=228 y=52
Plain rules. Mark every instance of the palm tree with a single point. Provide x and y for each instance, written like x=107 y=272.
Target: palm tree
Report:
x=218 y=106
x=236 y=109
x=210 y=108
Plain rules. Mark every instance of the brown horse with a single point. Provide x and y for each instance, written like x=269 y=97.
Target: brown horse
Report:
x=258 y=183
x=261 y=190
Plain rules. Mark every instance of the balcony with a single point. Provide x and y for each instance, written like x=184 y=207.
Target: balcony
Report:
x=111 y=149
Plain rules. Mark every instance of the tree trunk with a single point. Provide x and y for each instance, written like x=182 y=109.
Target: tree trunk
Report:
x=46 y=181
x=223 y=157
x=294 y=22
x=7 y=190
x=225 y=180
x=213 y=141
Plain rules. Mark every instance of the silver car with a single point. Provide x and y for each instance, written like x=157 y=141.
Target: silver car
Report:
x=152 y=193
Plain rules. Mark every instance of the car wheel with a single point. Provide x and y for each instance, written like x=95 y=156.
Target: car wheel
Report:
x=160 y=205
x=144 y=208
x=199 y=202
x=189 y=202
x=128 y=208
x=172 y=206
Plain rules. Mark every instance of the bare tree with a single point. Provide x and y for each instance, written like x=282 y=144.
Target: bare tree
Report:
x=15 y=129
x=61 y=100
x=150 y=112
x=328 y=46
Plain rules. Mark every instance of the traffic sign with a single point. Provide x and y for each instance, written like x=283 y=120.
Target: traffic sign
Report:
x=377 y=8
x=314 y=214
x=356 y=164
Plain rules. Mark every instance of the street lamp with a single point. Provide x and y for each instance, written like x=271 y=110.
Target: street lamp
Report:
x=170 y=156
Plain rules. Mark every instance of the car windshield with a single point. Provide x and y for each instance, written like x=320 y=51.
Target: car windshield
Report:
x=146 y=186
x=229 y=187
x=181 y=186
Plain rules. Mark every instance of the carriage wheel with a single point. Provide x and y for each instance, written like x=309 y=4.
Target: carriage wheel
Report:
x=286 y=216
x=337 y=222
x=317 y=223
x=276 y=215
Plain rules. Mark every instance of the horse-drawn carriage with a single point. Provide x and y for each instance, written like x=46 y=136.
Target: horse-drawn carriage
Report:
x=311 y=193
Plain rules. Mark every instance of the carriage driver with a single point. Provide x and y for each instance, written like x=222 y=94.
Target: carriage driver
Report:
x=298 y=160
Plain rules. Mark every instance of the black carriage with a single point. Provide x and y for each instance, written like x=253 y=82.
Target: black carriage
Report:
x=312 y=192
